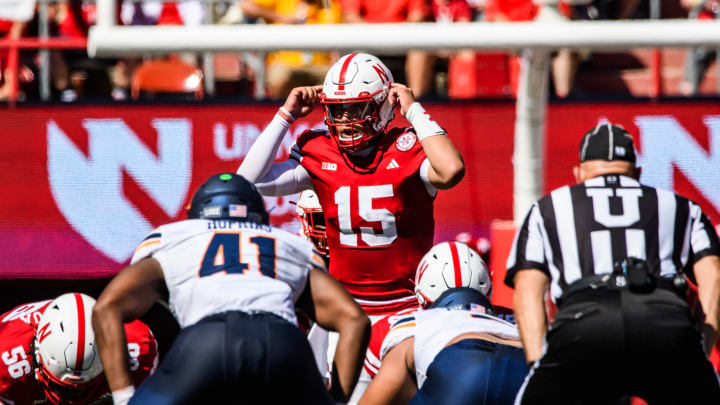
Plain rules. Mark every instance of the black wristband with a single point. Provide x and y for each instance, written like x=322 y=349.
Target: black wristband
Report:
x=531 y=364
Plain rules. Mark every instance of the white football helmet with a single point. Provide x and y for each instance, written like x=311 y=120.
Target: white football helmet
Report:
x=68 y=364
x=448 y=265
x=313 y=220
x=355 y=100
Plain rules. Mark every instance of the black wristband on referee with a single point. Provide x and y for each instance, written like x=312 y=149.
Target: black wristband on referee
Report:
x=531 y=364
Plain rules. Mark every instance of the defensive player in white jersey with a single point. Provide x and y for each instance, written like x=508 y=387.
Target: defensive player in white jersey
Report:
x=233 y=282
x=456 y=352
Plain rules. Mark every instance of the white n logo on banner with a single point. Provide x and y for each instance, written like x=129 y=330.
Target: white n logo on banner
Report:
x=88 y=190
x=665 y=143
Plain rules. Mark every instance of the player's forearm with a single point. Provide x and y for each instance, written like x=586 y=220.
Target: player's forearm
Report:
x=284 y=178
x=394 y=382
x=707 y=273
x=529 y=306
x=112 y=346
x=352 y=344
x=446 y=164
x=262 y=153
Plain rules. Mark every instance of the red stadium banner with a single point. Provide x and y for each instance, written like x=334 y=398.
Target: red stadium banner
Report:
x=82 y=185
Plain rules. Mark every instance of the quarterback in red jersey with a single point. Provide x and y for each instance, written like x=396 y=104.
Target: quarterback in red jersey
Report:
x=48 y=353
x=376 y=185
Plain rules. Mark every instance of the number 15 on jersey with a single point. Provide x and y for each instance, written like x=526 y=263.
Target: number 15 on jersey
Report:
x=365 y=196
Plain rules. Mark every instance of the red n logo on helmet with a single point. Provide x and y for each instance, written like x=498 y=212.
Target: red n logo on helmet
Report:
x=43 y=333
x=381 y=73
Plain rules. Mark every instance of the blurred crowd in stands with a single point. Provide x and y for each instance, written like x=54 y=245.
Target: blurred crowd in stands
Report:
x=456 y=74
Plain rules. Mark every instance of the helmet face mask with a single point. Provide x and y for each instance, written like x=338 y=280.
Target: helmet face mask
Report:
x=314 y=229
x=67 y=391
x=351 y=112
x=312 y=219
x=355 y=101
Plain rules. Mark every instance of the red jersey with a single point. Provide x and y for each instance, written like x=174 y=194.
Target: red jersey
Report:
x=380 y=329
x=17 y=372
x=378 y=213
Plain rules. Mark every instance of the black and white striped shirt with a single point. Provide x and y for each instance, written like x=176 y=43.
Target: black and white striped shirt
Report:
x=581 y=230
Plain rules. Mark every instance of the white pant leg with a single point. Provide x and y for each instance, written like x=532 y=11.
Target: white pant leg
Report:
x=318 y=339
x=364 y=379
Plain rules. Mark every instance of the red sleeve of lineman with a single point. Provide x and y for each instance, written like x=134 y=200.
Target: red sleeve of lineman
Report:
x=372 y=357
x=17 y=380
x=142 y=348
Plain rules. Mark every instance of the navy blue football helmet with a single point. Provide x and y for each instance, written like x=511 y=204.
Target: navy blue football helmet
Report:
x=463 y=298
x=228 y=196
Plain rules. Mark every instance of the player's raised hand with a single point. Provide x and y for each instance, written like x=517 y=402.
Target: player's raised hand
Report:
x=302 y=100
x=401 y=95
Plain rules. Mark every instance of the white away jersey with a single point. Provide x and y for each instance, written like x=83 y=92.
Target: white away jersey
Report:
x=434 y=328
x=213 y=266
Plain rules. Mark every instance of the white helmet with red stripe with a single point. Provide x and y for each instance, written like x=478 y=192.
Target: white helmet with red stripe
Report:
x=355 y=100
x=313 y=220
x=68 y=364
x=448 y=265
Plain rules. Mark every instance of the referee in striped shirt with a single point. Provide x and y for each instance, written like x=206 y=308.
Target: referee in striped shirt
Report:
x=612 y=252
